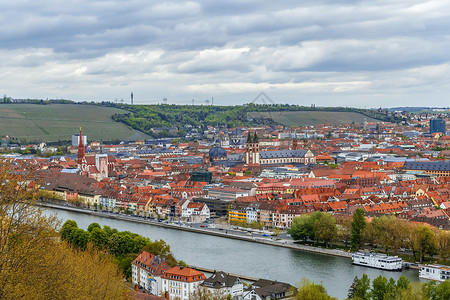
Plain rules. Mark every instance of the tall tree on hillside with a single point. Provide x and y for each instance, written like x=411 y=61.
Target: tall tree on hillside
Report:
x=358 y=225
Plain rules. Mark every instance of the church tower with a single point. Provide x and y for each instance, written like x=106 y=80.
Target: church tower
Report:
x=252 y=150
x=295 y=141
x=81 y=157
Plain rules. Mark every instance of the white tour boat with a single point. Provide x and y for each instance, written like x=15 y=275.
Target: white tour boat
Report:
x=376 y=260
x=434 y=272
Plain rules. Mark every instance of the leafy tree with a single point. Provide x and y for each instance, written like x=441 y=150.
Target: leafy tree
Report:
x=424 y=241
x=92 y=226
x=301 y=228
x=80 y=238
x=67 y=230
x=325 y=228
x=352 y=289
x=99 y=238
x=380 y=287
x=358 y=225
x=34 y=264
x=115 y=244
x=442 y=291
x=443 y=243
x=362 y=290
x=308 y=290
x=369 y=234
x=345 y=230
x=109 y=231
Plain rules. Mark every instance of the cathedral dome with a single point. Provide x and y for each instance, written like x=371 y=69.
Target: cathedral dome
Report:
x=217 y=153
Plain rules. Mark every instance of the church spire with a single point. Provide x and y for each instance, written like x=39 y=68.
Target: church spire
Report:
x=80 y=150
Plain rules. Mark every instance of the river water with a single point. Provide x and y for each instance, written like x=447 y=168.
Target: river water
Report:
x=246 y=258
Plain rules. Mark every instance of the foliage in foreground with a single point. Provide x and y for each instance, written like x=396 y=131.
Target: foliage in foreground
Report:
x=123 y=245
x=34 y=264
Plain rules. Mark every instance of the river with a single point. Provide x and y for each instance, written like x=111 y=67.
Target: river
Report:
x=247 y=258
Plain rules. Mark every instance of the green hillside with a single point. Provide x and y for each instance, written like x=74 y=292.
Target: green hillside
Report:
x=57 y=122
x=299 y=118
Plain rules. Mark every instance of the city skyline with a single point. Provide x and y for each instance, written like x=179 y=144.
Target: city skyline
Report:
x=352 y=53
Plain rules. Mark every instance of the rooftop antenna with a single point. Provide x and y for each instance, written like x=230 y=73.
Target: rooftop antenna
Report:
x=193 y=101
x=131 y=98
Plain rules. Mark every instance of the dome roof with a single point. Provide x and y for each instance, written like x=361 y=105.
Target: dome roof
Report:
x=217 y=152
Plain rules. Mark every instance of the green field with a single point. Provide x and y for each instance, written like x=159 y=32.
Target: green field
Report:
x=58 y=122
x=301 y=118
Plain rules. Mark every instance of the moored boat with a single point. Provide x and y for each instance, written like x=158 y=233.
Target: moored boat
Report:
x=434 y=272
x=377 y=260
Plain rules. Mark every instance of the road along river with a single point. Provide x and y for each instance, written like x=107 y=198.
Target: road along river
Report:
x=247 y=258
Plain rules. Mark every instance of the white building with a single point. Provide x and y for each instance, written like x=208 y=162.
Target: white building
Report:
x=225 y=284
x=190 y=209
x=251 y=214
x=180 y=282
x=146 y=272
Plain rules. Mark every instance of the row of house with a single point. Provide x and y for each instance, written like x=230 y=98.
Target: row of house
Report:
x=153 y=275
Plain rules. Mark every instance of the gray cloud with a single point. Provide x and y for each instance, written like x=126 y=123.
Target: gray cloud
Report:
x=330 y=51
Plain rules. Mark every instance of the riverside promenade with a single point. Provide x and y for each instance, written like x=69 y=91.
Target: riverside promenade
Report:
x=261 y=240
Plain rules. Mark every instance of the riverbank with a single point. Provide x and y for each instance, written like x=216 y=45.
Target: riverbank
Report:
x=261 y=240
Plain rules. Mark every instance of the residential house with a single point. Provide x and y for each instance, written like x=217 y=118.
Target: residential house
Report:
x=180 y=282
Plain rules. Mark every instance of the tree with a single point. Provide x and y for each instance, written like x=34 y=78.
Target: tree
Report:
x=99 y=238
x=424 y=241
x=67 y=230
x=80 y=238
x=358 y=225
x=362 y=288
x=443 y=242
x=34 y=264
x=325 y=228
x=352 y=289
x=203 y=293
x=92 y=226
x=308 y=290
x=345 y=230
x=380 y=287
x=115 y=244
x=369 y=234
x=302 y=227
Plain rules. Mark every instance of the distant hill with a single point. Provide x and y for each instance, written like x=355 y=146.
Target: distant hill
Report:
x=299 y=118
x=58 y=122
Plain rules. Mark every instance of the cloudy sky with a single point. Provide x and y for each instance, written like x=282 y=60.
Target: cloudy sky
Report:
x=327 y=52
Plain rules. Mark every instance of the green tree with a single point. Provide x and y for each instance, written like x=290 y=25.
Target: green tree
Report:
x=67 y=230
x=325 y=228
x=380 y=287
x=92 y=226
x=80 y=238
x=115 y=244
x=99 y=238
x=358 y=225
x=301 y=228
x=345 y=230
x=424 y=241
x=308 y=290
x=362 y=290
